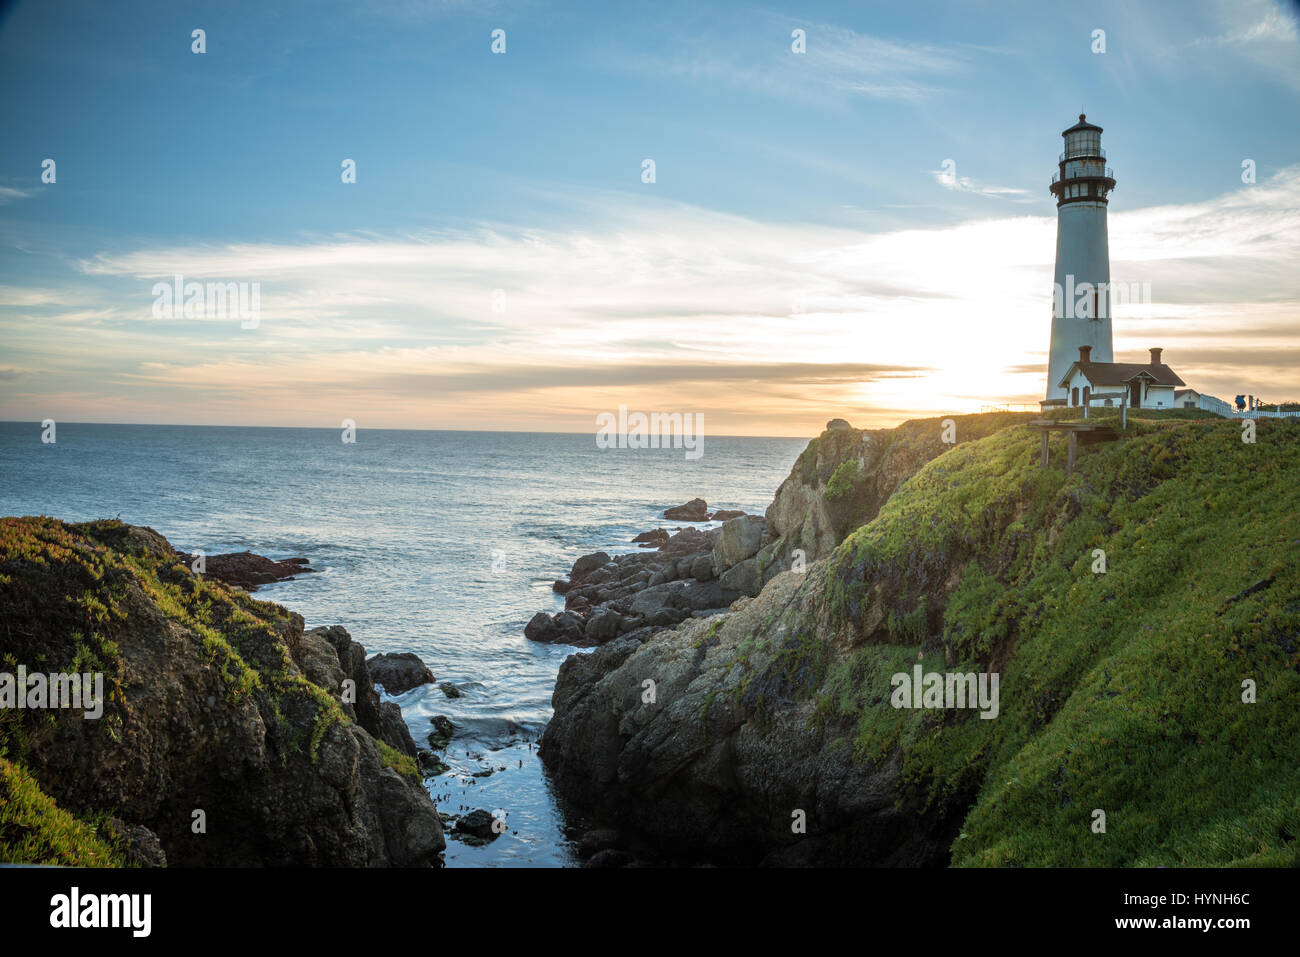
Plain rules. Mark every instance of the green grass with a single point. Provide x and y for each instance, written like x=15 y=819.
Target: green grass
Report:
x=35 y=830
x=1120 y=691
x=404 y=764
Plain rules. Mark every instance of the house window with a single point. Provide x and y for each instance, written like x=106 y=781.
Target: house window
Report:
x=1074 y=396
x=1087 y=392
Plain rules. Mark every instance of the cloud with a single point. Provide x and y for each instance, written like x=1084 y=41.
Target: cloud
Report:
x=770 y=328
x=839 y=62
x=9 y=193
x=964 y=184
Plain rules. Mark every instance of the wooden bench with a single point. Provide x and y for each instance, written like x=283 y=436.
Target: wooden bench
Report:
x=1078 y=433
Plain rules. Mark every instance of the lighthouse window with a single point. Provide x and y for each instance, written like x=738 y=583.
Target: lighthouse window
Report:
x=1074 y=396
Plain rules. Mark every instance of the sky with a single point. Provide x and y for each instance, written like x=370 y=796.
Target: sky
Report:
x=860 y=230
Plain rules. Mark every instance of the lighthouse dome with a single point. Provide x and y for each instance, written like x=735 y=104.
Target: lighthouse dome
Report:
x=1083 y=139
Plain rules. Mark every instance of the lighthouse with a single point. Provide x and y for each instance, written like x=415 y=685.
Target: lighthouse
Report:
x=1081 y=296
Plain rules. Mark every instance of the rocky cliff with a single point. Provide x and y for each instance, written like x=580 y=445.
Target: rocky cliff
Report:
x=1142 y=613
x=226 y=738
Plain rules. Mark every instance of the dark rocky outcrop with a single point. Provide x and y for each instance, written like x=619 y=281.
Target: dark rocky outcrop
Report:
x=607 y=597
x=729 y=750
x=216 y=702
x=248 y=571
x=696 y=510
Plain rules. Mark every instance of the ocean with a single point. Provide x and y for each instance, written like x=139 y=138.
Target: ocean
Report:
x=440 y=543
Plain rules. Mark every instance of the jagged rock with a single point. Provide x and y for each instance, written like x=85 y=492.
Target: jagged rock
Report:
x=718 y=765
x=248 y=571
x=727 y=514
x=743 y=577
x=564 y=628
x=449 y=689
x=393 y=729
x=739 y=539
x=603 y=626
x=696 y=510
x=699 y=773
x=349 y=664
x=399 y=672
x=587 y=564
x=652 y=539
x=141 y=844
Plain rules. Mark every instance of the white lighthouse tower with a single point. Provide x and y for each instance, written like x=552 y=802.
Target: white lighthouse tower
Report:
x=1081 y=299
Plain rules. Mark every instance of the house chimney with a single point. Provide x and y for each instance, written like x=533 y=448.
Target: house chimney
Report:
x=1085 y=353
x=1155 y=356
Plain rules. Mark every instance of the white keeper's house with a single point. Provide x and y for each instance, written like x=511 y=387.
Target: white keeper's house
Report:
x=1151 y=385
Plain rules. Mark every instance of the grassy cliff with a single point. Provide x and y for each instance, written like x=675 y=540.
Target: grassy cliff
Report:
x=1121 y=690
x=215 y=703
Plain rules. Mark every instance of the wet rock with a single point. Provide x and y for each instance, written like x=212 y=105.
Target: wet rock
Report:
x=587 y=564
x=442 y=732
x=477 y=823
x=248 y=571
x=652 y=539
x=696 y=510
x=449 y=689
x=565 y=628
x=399 y=672
x=727 y=514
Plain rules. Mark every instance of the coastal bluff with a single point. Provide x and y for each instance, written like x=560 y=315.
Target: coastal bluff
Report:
x=225 y=738
x=1142 y=613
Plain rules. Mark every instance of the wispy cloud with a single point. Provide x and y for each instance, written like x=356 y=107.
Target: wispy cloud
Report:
x=9 y=193
x=662 y=304
x=964 y=184
x=837 y=62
